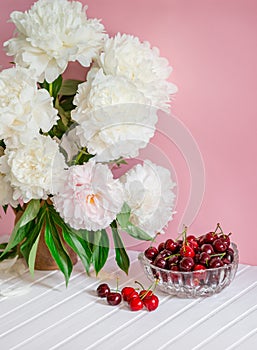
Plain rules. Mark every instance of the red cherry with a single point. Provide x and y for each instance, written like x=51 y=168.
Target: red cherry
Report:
x=114 y=298
x=173 y=260
x=199 y=271
x=191 y=238
x=126 y=291
x=174 y=276
x=186 y=264
x=151 y=303
x=171 y=245
x=187 y=251
x=161 y=246
x=199 y=267
x=160 y=262
x=201 y=240
x=136 y=304
x=228 y=258
x=145 y=294
x=215 y=262
x=103 y=290
x=174 y=268
x=207 y=248
x=151 y=253
x=164 y=253
x=204 y=258
x=193 y=244
x=225 y=239
x=231 y=250
x=219 y=245
x=210 y=237
x=132 y=295
x=192 y=241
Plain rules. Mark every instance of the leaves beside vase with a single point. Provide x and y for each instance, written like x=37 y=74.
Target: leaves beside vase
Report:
x=40 y=217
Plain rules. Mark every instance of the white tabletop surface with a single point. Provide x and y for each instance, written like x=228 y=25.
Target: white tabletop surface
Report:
x=40 y=313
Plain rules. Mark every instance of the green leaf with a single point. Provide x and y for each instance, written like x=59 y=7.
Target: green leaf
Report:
x=20 y=230
x=5 y=207
x=32 y=256
x=56 y=86
x=30 y=233
x=3 y=246
x=100 y=250
x=69 y=87
x=82 y=157
x=65 y=116
x=11 y=254
x=66 y=102
x=80 y=247
x=120 y=161
x=58 y=130
x=123 y=216
x=34 y=228
x=137 y=233
x=122 y=258
x=78 y=244
x=2 y=144
x=134 y=231
x=53 y=87
x=56 y=248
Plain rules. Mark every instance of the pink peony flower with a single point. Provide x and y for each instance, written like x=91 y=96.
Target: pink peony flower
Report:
x=91 y=198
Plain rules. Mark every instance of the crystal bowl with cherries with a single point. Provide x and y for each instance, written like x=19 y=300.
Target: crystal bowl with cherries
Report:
x=192 y=267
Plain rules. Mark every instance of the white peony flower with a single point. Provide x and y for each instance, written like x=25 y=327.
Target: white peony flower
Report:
x=102 y=90
x=34 y=170
x=52 y=33
x=124 y=55
x=6 y=192
x=115 y=119
x=24 y=109
x=149 y=193
x=90 y=198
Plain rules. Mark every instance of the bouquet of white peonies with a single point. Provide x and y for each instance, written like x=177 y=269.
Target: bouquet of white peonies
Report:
x=60 y=138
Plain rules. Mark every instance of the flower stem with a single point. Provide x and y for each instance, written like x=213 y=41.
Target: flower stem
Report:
x=51 y=89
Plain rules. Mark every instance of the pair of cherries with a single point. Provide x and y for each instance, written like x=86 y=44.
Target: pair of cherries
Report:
x=136 y=300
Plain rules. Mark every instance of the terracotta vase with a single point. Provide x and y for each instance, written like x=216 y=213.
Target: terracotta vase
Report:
x=44 y=259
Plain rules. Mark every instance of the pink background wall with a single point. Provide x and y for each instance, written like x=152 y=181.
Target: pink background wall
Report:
x=211 y=45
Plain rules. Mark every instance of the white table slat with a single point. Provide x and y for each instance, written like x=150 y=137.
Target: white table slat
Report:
x=247 y=342
x=52 y=317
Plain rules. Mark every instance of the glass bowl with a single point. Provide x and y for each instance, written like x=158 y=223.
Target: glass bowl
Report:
x=194 y=284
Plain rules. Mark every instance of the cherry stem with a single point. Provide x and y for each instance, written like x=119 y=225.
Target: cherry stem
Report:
x=140 y=284
x=218 y=227
x=220 y=254
x=117 y=284
x=153 y=285
x=182 y=233
x=170 y=256
x=153 y=239
x=185 y=234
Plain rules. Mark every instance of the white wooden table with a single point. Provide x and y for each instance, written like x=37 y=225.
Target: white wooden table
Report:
x=49 y=316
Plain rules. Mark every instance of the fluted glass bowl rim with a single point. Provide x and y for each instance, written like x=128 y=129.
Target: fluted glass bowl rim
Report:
x=185 y=292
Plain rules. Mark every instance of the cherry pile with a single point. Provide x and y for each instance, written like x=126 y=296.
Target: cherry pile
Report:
x=191 y=253
x=136 y=300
